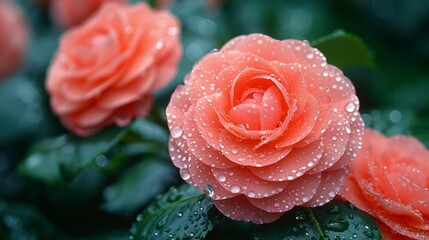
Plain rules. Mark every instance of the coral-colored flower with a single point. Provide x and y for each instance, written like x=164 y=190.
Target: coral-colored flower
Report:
x=264 y=125
x=68 y=13
x=389 y=179
x=106 y=70
x=13 y=37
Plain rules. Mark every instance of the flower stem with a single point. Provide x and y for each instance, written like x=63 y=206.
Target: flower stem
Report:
x=315 y=222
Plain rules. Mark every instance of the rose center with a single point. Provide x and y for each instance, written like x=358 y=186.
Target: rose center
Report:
x=96 y=49
x=258 y=109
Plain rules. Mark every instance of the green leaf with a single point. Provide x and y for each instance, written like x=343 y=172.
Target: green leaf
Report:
x=21 y=110
x=138 y=186
x=110 y=235
x=20 y=221
x=344 y=50
x=334 y=220
x=182 y=213
x=149 y=130
x=64 y=157
x=390 y=121
x=398 y=121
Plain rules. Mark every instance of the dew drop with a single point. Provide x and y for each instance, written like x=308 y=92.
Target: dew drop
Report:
x=185 y=175
x=350 y=107
x=159 y=45
x=348 y=130
x=235 y=189
x=173 y=31
x=209 y=190
x=221 y=178
x=176 y=132
x=251 y=194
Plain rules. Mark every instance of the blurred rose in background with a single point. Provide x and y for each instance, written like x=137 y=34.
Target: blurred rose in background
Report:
x=13 y=37
x=68 y=13
x=106 y=70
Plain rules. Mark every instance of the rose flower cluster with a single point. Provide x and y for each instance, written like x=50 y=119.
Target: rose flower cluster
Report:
x=261 y=125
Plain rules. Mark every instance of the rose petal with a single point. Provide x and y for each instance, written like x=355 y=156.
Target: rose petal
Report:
x=239 y=208
x=63 y=106
x=246 y=114
x=352 y=193
x=273 y=50
x=330 y=186
x=300 y=127
x=271 y=111
x=203 y=178
x=114 y=98
x=249 y=156
x=297 y=192
x=199 y=147
x=241 y=180
x=294 y=165
x=178 y=153
x=89 y=117
x=306 y=54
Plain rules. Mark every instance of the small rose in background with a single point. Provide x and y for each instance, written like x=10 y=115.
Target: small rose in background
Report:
x=389 y=179
x=68 y=13
x=14 y=37
x=106 y=70
x=264 y=125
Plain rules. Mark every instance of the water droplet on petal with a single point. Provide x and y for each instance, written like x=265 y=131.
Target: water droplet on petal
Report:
x=185 y=175
x=235 y=189
x=209 y=190
x=159 y=45
x=350 y=107
x=176 y=132
x=221 y=178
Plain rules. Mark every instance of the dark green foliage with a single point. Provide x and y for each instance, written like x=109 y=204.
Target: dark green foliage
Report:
x=344 y=50
x=336 y=220
x=62 y=158
x=20 y=221
x=182 y=213
x=137 y=186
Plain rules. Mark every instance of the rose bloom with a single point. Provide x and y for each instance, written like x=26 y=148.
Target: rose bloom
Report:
x=389 y=179
x=13 y=37
x=264 y=125
x=106 y=70
x=68 y=13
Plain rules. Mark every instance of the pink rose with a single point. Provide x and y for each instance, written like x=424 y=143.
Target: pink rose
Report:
x=13 y=38
x=68 y=13
x=389 y=179
x=264 y=125
x=106 y=70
